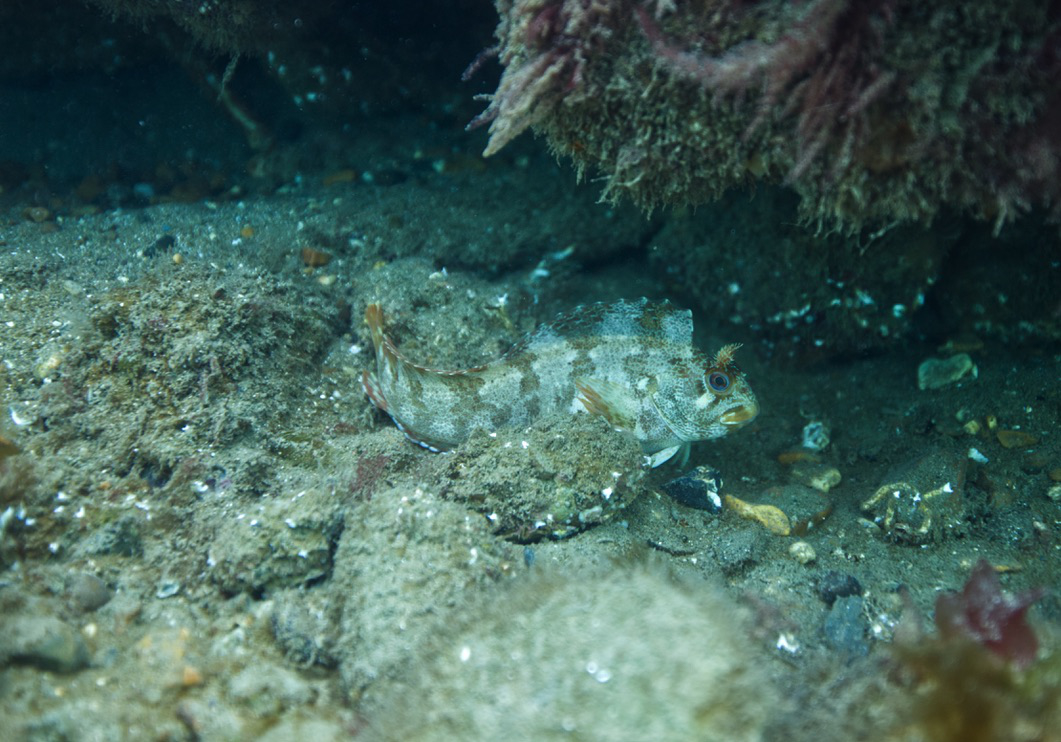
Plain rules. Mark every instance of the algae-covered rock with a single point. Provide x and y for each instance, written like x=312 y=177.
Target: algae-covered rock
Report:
x=628 y=654
x=555 y=478
x=874 y=112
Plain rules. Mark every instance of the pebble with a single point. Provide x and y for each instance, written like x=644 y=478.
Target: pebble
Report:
x=936 y=373
x=1015 y=438
x=821 y=477
x=1054 y=493
x=815 y=436
x=87 y=592
x=802 y=552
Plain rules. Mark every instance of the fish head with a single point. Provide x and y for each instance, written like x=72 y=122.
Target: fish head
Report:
x=707 y=398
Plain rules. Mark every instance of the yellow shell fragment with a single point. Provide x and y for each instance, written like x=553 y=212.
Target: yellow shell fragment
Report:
x=771 y=518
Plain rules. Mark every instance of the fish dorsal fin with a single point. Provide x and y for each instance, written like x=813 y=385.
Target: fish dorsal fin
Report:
x=659 y=320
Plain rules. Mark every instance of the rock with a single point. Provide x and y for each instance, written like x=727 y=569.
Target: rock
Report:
x=561 y=475
x=697 y=489
x=1015 y=438
x=769 y=517
x=937 y=373
x=551 y=657
x=404 y=557
x=44 y=642
x=815 y=436
x=821 y=477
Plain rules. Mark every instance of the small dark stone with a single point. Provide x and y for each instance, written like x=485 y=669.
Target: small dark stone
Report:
x=833 y=585
x=698 y=489
x=845 y=629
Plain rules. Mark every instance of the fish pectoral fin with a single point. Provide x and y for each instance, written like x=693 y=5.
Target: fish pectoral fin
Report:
x=608 y=399
x=661 y=457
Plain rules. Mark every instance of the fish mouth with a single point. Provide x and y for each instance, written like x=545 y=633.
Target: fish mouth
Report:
x=740 y=415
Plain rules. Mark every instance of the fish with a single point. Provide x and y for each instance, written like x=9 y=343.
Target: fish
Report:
x=633 y=363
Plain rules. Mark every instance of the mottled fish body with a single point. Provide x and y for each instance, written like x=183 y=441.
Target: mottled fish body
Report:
x=632 y=363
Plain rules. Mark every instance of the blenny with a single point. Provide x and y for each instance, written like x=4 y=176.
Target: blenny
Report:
x=631 y=362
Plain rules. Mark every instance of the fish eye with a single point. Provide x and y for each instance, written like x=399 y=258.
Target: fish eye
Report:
x=718 y=382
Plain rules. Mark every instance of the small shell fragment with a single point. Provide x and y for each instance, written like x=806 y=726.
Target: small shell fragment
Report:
x=936 y=373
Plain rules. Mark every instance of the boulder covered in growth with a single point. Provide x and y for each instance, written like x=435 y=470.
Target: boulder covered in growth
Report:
x=874 y=111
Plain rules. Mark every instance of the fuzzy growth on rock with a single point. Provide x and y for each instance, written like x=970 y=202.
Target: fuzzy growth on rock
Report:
x=876 y=112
